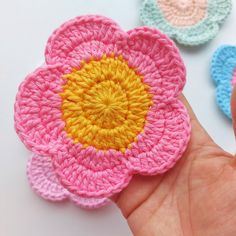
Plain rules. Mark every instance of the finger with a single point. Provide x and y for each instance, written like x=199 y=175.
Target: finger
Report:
x=233 y=108
x=199 y=135
x=189 y=108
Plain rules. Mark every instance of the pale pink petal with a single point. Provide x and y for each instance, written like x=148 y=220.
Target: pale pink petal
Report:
x=82 y=38
x=163 y=142
x=37 y=110
x=158 y=60
x=43 y=179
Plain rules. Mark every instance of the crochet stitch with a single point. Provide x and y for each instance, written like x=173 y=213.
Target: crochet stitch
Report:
x=223 y=72
x=189 y=22
x=104 y=106
x=44 y=182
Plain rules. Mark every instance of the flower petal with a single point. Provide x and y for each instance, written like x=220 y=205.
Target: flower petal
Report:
x=37 y=110
x=45 y=183
x=43 y=179
x=157 y=58
x=89 y=172
x=163 y=142
x=82 y=38
x=219 y=10
x=223 y=64
x=198 y=34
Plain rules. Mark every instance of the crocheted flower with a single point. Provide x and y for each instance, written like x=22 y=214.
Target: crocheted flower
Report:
x=223 y=71
x=45 y=183
x=190 y=22
x=105 y=106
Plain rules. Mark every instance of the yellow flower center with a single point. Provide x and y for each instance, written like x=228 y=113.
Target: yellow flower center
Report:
x=104 y=104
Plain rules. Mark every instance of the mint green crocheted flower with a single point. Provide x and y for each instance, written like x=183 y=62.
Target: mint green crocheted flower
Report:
x=190 y=22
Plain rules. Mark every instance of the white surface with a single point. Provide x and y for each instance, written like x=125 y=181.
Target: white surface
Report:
x=25 y=26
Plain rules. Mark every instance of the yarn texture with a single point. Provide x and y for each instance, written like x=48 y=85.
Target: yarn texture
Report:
x=223 y=72
x=44 y=182
x=102 y=108
x=190 y=22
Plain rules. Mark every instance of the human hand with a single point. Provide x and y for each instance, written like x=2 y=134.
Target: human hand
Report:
x=197 y=197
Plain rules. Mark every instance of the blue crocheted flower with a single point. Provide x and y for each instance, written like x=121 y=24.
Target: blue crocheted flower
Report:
x=190 y=22
x=223 y=72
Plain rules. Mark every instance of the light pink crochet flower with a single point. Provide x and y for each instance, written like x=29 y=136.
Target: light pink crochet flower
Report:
x=105 y=106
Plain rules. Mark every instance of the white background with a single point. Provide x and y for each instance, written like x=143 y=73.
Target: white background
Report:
x=25 y=26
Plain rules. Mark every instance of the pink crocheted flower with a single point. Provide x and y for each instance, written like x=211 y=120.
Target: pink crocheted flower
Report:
x=105 y=106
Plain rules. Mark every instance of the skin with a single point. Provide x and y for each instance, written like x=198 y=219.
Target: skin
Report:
x=196 y=198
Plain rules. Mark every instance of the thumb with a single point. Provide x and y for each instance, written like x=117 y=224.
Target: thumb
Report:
x=233 y=108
